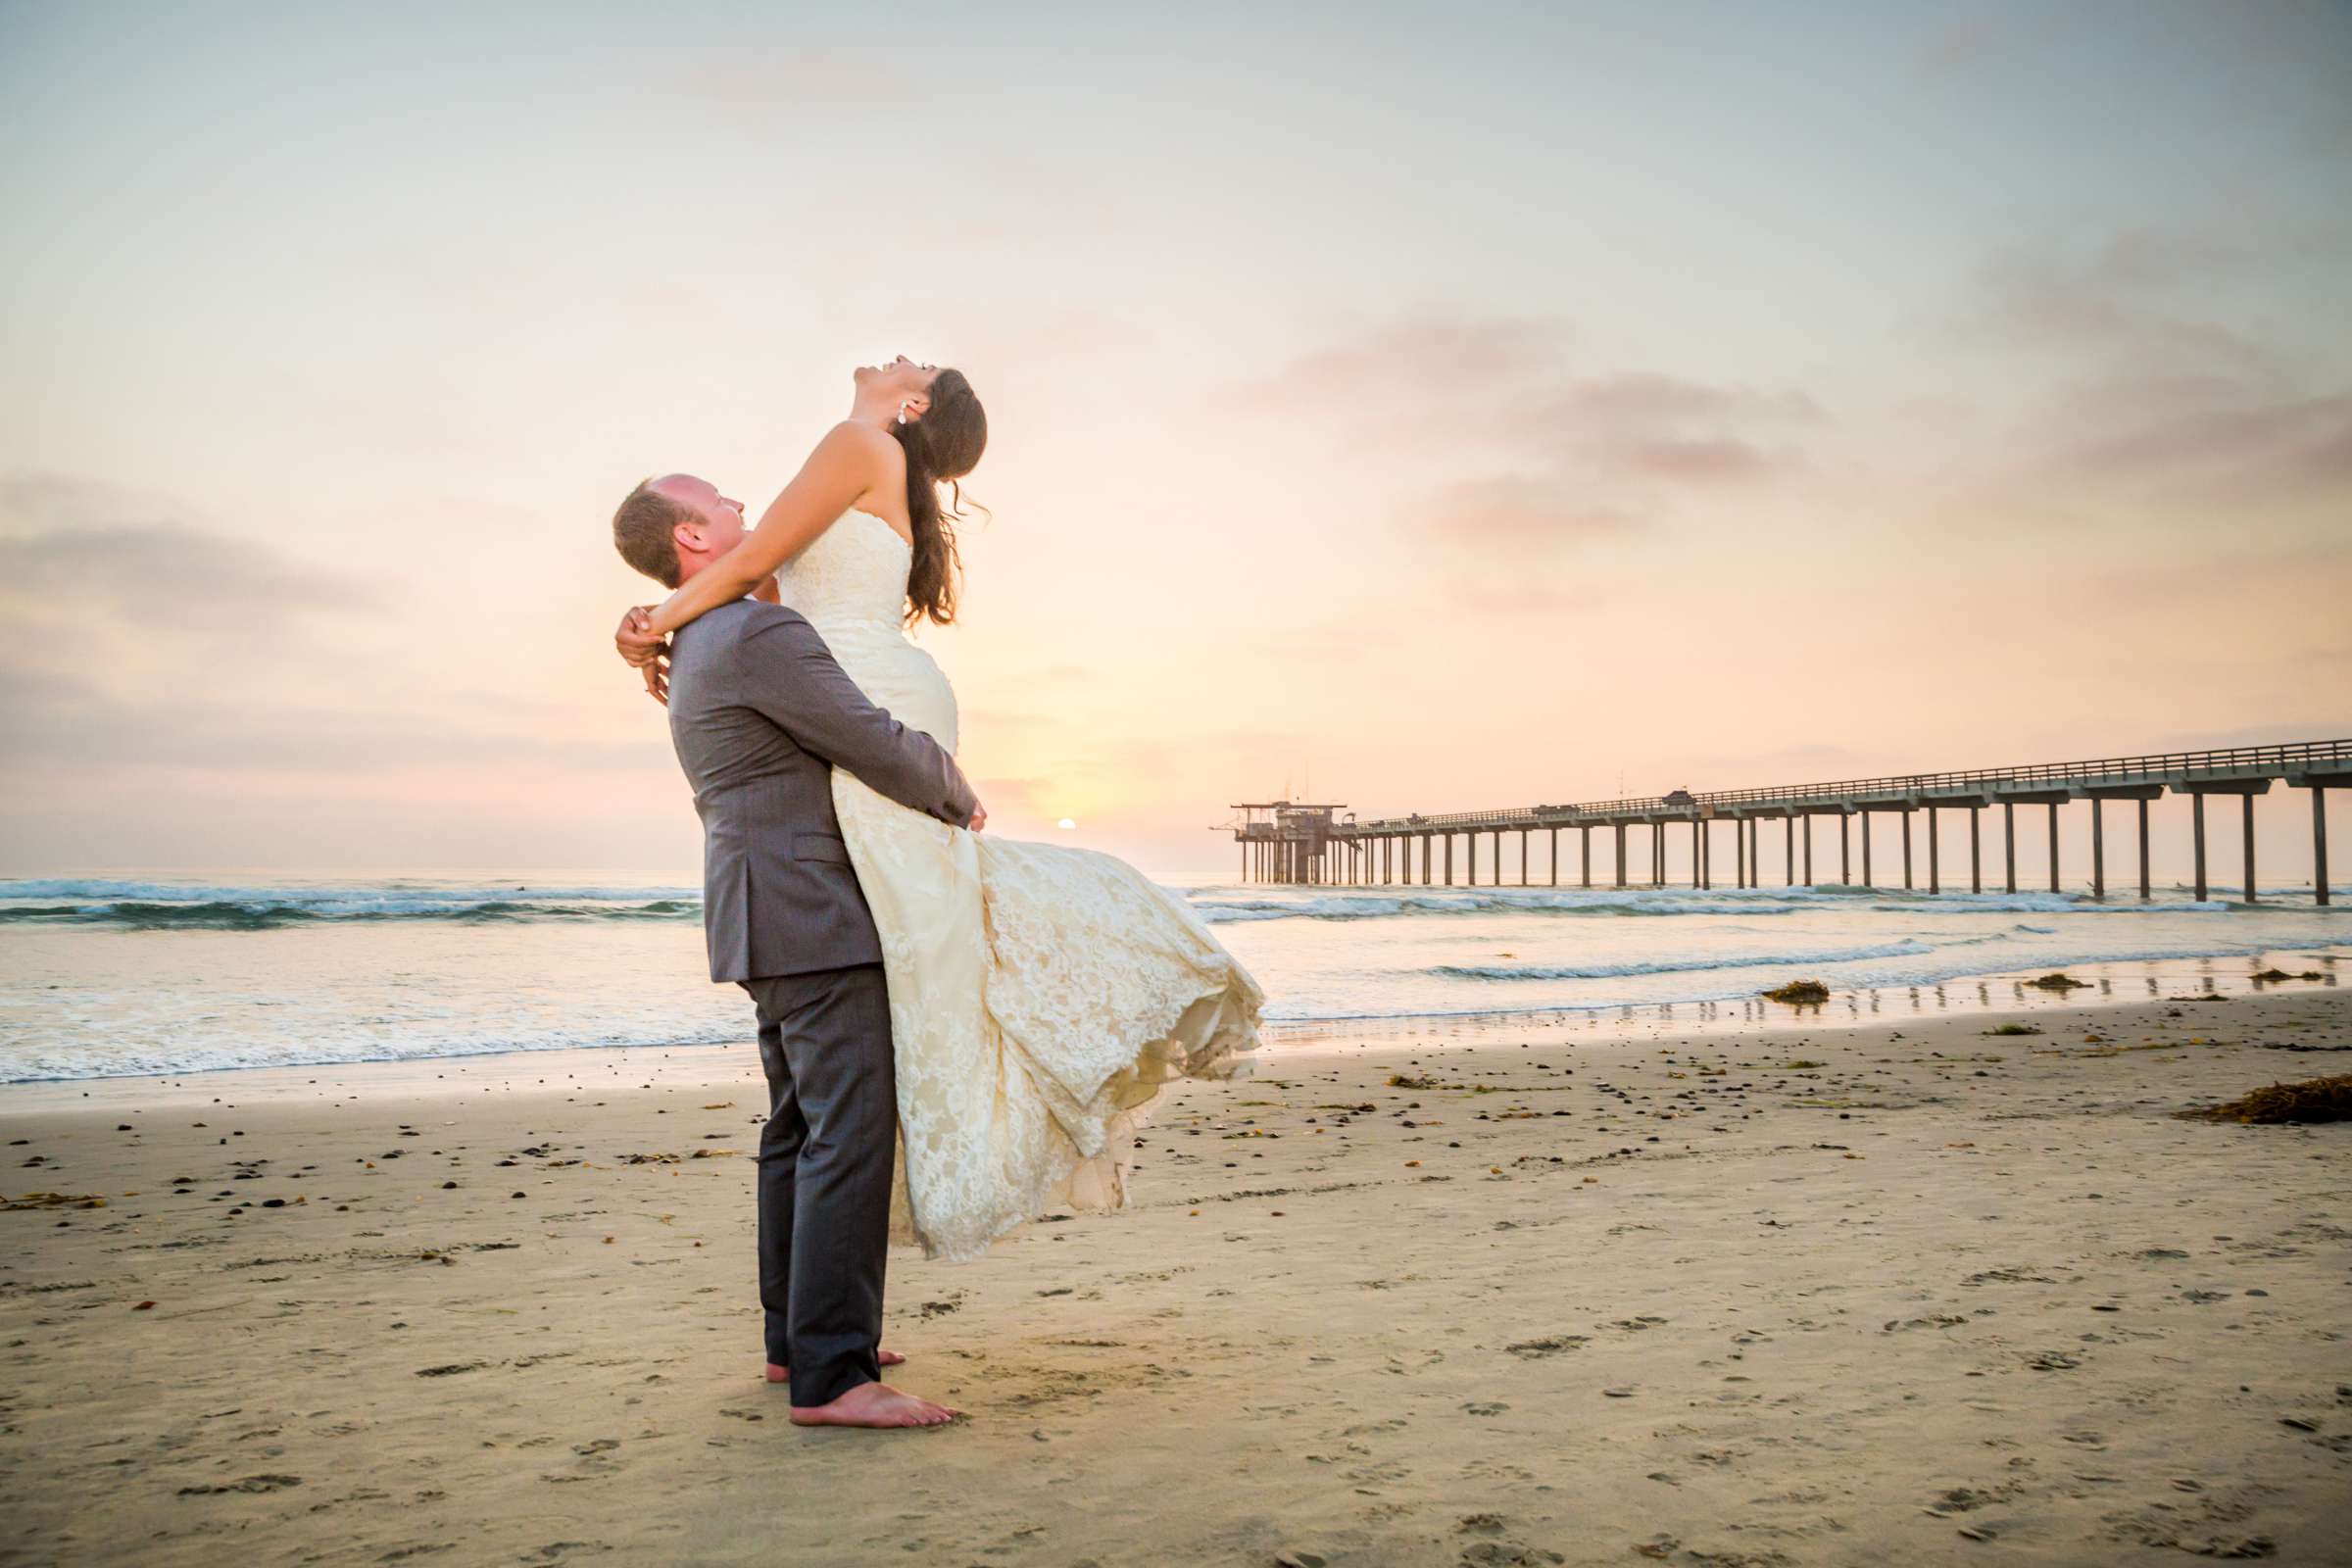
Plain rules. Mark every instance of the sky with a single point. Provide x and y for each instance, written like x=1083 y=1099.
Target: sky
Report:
x=1424 y=407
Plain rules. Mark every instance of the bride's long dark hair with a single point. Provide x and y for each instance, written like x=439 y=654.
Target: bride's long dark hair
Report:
x=941 y=447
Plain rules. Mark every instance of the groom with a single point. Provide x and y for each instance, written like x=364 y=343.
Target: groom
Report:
x=760 y=714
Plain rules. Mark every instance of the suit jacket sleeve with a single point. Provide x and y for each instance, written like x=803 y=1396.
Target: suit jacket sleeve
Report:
x=788 y=674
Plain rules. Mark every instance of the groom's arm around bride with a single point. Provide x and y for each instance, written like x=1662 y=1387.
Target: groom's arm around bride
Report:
x=785 y=671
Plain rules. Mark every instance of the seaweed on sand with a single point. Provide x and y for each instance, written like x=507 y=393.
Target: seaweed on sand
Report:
x=54 y=1201
x=1801 y=993
x=2057 y=982
x=2312 y=1100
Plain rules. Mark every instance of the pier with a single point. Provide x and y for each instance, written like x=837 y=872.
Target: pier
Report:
x=1312 y=844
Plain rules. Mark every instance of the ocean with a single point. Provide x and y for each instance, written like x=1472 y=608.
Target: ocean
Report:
x=108 y=976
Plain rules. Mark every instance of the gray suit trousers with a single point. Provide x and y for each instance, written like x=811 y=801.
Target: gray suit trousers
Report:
x=825 y=1160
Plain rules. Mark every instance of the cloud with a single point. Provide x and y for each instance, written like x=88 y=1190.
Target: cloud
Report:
x=1517 y=510
x=144 y=640
x=1493 y=443
x=1964 y=47
x=167 y=578
x=68 y=726
x=2289 y=449
x=1483 y=391
x=2145 y=390
x=2113 y=304
x=115 y=550
x=1648 y=401
x=1407 y=360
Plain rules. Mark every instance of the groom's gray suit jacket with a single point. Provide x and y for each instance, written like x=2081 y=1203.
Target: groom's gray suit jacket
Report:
x=760 y=714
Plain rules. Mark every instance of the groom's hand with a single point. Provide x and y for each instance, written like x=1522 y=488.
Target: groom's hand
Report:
x=656 y=679
x=979 y=817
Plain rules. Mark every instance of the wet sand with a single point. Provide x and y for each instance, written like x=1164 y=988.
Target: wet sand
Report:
x=1846 y=1291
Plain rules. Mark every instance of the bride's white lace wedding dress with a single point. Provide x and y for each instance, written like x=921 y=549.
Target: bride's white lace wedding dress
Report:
x=1039 y=994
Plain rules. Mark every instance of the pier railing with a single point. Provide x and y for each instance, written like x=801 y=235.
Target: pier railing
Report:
x=2278 y=760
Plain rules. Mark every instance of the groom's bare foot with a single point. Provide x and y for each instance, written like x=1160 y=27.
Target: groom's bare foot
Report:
x=874 y=1405
x=779 y=1374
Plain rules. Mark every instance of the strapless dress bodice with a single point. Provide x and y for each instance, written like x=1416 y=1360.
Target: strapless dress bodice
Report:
x=851 y=583
x=854 y=573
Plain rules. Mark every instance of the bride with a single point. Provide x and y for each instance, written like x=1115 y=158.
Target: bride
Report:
x=1040 y=994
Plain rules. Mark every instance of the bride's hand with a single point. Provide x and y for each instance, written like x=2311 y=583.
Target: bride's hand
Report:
x=657 y=680
x=636 y=641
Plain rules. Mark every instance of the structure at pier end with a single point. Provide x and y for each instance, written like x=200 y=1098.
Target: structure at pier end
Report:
x=1286 y=841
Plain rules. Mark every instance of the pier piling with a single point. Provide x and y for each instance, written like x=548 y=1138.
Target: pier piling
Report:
x=2197 y=818
x=2319 y=840
x=2098 y=851
x=2144 y=851
x=2251 y=895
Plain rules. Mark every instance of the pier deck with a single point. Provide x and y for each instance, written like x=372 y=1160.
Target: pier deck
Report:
x=1312 y=843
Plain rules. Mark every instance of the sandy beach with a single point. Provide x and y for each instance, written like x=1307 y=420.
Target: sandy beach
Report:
x=1877 y=1290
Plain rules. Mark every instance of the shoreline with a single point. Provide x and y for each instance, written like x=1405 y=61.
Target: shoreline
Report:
x=2111 y=984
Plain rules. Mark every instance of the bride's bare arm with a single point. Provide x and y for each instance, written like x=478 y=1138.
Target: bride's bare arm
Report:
x=845 y=465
